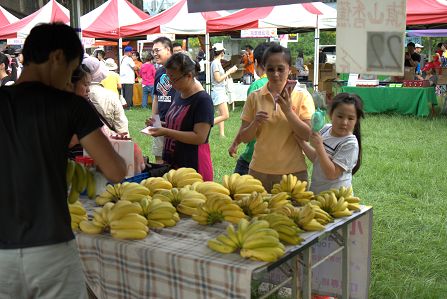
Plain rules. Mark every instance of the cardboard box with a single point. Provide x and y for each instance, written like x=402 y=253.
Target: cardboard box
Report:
x=326 y=72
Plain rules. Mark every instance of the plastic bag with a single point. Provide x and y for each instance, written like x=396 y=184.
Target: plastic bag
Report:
x=318 y=120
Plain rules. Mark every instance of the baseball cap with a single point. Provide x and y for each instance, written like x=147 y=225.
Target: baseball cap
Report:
x=418 y=46
x=128 y=49
x=218 y=47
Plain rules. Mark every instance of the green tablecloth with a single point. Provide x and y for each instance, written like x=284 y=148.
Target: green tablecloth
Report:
x=411 y=100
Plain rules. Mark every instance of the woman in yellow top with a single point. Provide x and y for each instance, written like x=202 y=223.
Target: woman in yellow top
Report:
x=112 y=81
x=273 y=117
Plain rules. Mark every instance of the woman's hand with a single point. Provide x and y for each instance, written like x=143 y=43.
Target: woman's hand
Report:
x=150 y=122
x=284 y=100
x=232 y=70
x=260 y=118
x=156 y=132
x=232 y=150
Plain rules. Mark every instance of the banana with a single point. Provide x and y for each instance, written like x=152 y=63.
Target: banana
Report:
x=134 y=234
x=266 y=254
x=293 y=240
x=128 y=224
x=89 y=228
x=243 y=225
x=312 y=225
x=119 y=212
x=167 y=222
x=160 y=215
x=91 y=185
x=220 y=247
x=352 y=199
x=265 y=241
x=254 y=226
x=73 y=196
x=225 y=181
x=353 y=206
x=233 y=219
x=78 y=218
x=81 y=178
x=339 y=214
x=76 y=209
x=70 y=171
x=155 y=224
x=186 y=209
x=227 y=241
x=232 y=234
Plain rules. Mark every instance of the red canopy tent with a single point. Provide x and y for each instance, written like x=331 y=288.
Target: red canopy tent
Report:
x=50 y=12
x=175 y=19
x=431 y=13
x=106 y=20
x=6 y=17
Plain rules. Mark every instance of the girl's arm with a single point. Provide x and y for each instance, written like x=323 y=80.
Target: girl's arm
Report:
x=331 y=170
x=197 y=136
x=219 y=78
x=308 y=150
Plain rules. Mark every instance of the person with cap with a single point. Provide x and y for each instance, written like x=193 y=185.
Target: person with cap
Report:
x=417 y=57
x=127 y=74
x=164 y=93
x=147 y=73
x=112 y=80
x=218 y=90
x=39 y=257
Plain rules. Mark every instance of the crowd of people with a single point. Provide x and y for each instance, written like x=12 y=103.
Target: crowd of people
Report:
x=64 y=101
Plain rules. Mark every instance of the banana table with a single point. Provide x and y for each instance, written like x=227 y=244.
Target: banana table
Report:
x=176 y=263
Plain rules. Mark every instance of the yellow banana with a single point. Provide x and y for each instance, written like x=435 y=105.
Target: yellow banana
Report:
x=220 y=247
x=155 y=224
x=70 y=171
x=265 y=241
x=91 y=184
x=73 y=196
x=128 y=224
x=227 y=241
x=266 y=254
x=81 y=177
x=132 y=234
x=231 y=232
x=339 y=214
x=76 y=209
x=89 y=228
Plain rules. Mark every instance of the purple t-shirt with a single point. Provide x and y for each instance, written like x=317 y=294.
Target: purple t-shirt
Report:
x=182 y=116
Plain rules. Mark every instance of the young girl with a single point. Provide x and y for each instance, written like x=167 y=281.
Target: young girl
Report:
x=337 y=149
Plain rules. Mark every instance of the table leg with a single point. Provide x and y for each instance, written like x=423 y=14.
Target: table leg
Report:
x=307 y=277
x=346 y=279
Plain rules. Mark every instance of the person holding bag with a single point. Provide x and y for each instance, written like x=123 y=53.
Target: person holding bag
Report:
x=218 y=87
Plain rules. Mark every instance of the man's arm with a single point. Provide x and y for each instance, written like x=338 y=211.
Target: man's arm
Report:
x=106 y=158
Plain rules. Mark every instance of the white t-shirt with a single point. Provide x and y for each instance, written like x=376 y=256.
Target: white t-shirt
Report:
x=127 y=74
x=216 y=66
x=343 y=151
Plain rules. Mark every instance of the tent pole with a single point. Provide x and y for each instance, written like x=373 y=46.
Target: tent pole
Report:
x=207 y=63
x=75 y=14
x=316 y=55
x=120 y=51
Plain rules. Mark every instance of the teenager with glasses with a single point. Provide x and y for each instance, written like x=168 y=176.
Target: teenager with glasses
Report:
x=163 y=91
x=188 y=120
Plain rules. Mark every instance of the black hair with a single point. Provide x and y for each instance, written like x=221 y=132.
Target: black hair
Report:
x=12 y=73
x=183 y=63
x=80 y=73
x=300 y=54
x=137 y=55
x=176 y=45
x=352 y=99
x=46 y=38
x=165 y=41
x=411 y=44
x=103 y=54
x=249 y=47
x=214 y=53
x=439 y=45
x=274 y=49
x=149 y=57
x=259 y=51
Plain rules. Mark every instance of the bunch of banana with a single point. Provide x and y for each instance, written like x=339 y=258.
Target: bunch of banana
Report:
x=295 y=188
x=159 y=213
x=80 y=179
x=258 y=241
x=190 y=200
x=287 y=229
x=245 y=184
x=182 y=177
x=321 y=216
x=346 y=193
x=225 y=243
x=278 y=200
x=207 y=188
x=328 y=202
x=133 y=192
x=253 y=204
x=77 y=214
x=156 y=183
x=303 y=217
x=217 y=208
x=123 y=219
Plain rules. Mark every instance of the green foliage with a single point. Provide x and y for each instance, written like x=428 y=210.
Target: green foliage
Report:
x=403 y=176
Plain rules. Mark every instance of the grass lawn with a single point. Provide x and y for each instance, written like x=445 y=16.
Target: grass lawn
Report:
x=403 y=176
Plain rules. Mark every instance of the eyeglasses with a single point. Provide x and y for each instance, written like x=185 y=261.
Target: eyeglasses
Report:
x=156 y=50
x=176 y=79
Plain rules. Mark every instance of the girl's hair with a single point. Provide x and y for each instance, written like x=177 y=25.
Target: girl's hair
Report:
x=214 y=53
x=80 y=73
x=4 y=59
x=274 y=49
x=10 y=67
x=149 y=58
x=183 y=63
x=352 y=99
x=137 y=55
